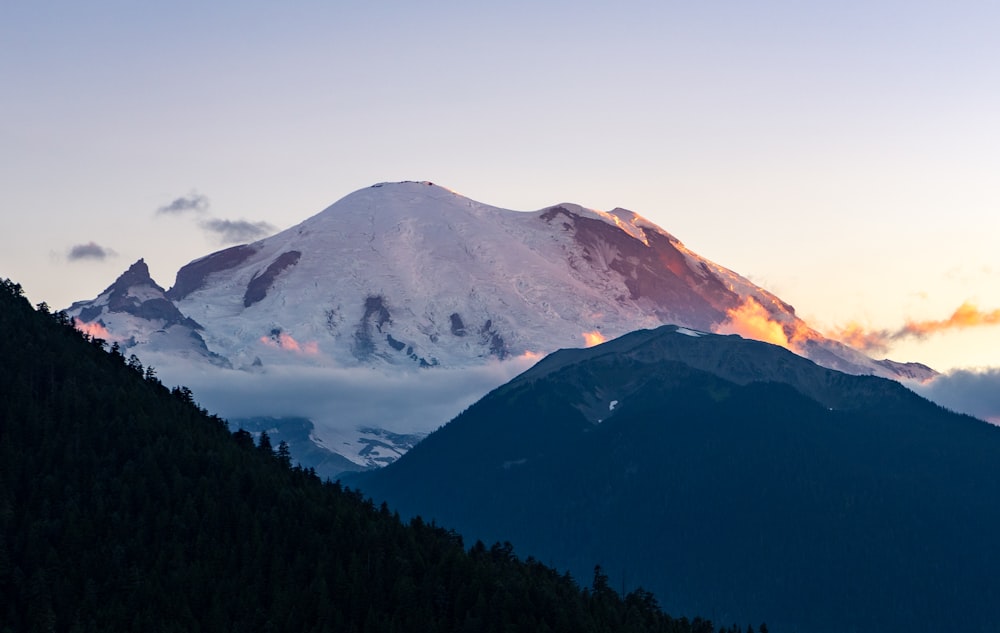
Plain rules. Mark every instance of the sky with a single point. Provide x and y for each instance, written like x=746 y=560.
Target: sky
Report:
x=842 y=155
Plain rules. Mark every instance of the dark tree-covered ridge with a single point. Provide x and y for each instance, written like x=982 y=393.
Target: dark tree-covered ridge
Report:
x=731 y=478
x=126 y=507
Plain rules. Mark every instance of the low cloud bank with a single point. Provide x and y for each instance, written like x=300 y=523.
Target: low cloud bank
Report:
x=976 y=392
x=344 y=399
x=341 y=398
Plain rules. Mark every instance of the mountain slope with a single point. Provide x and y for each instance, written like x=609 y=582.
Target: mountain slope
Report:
x=124 y=507
x=400 y=277
x=838 y=502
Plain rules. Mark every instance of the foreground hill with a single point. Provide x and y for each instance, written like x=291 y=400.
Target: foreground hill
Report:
x=730 y=477
x=125 y=507
x=403 y=277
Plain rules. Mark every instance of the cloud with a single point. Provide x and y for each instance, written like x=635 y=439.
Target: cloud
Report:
x=193 y=202
x=90 y=250
x=860 y=337
x=340 y=400
x=752 y=320
x=593 y=338
x=976 y=392
x=237 y=231
x=965 y=316
x=227 y=231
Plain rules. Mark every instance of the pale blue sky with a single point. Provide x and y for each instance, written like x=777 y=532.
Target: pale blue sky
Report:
x=844 y=155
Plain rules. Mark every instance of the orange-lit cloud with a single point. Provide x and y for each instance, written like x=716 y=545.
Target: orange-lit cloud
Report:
x=752 y=320
x=286 y=342
x=593 y=338
x=530 y=355
x=93 y=329
x=859 y=337
x=967 y=315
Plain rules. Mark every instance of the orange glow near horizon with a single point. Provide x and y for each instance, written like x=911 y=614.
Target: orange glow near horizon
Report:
x=593 y=338
x=530 y=355
x=93 y=329
x=286 y=342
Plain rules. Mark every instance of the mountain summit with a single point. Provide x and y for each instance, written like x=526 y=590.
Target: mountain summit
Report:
x=411 y=275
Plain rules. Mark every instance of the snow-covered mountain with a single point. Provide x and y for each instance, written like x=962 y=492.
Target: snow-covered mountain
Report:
x=412 y=278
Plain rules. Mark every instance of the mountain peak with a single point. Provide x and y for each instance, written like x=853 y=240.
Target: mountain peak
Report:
x=131 y=285
x=727 y=356
x=134 y=295
x=137 y=274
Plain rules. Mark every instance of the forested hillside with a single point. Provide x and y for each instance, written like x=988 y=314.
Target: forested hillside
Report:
x=126 y=507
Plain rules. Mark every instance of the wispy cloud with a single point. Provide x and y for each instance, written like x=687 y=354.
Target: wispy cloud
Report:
x=225 y=231
x=879 y=340
x=90 y=250
x=191 y=203
x=237 y=231
x=976 y=392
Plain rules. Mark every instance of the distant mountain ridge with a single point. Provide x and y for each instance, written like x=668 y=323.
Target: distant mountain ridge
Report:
x=408 y=276
x=738 y=361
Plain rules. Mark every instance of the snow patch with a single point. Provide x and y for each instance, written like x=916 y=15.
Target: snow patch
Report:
x=689 y=332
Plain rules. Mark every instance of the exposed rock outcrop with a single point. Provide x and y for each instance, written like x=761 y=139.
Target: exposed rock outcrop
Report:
x=192 y=276
x=261 y=283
